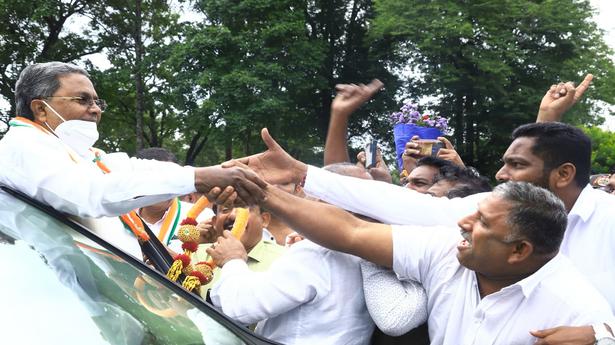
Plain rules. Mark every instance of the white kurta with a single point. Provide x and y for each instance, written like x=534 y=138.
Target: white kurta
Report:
x=310 y=295
x=555 y=295
x=40 y=166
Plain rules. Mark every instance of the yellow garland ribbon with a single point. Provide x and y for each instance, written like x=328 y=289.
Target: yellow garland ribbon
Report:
x=241 y=221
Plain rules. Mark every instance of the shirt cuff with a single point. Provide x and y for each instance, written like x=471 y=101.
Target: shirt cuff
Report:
x=187 y=179
x=316 y=182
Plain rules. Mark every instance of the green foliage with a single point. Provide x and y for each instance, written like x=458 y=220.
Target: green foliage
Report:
x=204 y=89
x=36 y=31
x=490 y=62
x=603 y=146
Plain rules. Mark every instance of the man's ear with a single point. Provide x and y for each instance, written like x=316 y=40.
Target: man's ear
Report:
x=563 y=175
x=39 y=111
x=521 y=251
x=266 y=218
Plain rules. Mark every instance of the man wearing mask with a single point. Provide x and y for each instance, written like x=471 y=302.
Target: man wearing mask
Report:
x=47 y=152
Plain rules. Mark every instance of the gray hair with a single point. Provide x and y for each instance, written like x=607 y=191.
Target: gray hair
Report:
x=348 y=169
x=536 y=215
x=40 y=80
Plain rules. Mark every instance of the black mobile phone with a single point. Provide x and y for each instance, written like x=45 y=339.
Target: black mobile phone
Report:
x=436 y=147
x=370 y=154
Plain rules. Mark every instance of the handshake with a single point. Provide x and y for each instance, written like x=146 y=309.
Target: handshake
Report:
x=245 y=181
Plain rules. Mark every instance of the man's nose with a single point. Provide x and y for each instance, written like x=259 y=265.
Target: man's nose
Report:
x=502 y=175
x=467 y=222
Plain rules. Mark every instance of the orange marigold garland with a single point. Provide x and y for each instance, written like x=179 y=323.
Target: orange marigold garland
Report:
x=200 y=273
x=196 y=275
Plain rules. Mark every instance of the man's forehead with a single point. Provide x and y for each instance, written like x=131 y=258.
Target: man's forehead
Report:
x=76 y=82
x=493 y=205
x=521 y=147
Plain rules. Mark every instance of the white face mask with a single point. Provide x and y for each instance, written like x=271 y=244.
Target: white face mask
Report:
x=79 y=135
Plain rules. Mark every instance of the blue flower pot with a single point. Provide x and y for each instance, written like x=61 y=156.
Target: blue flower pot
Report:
x=403 y=132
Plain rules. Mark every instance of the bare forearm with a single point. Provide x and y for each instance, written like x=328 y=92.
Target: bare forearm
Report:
x=332 y=227
x=336 y=145
x=324 y=224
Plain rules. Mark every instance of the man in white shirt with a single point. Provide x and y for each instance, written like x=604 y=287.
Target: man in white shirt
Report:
x=554 y=155
x=493 y=284
x=47 y=153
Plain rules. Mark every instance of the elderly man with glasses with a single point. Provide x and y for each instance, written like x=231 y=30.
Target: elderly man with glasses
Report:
x=48 y=155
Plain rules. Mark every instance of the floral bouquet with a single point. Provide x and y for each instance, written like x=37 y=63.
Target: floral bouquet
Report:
x=408 y=122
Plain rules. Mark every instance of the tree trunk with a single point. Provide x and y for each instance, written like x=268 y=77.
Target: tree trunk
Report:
x=138 y=75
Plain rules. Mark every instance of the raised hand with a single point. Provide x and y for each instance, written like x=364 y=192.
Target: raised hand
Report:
x=275 y=165
x=380 y=171
x=411 y=154
x=350 y=96
x=559 y=98
x=207 y=231
x=449 y=153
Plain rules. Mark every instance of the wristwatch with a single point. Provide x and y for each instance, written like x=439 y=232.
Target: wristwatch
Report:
x=602 y=335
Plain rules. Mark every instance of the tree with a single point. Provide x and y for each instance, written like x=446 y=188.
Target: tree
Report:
x=603 y=146
x=138 y=36
x=37 y=31
x=255 y=59
x=489 y=63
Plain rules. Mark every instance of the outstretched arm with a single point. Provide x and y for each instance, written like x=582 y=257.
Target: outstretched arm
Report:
x=348 y=99
x=381 y=201
x=332 y=227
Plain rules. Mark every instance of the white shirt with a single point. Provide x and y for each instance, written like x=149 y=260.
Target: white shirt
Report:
x=310 y=295
x=39 y=165
x=557 y=294
x=589 y=239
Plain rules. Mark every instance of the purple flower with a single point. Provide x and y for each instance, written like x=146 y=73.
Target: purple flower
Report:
x=409 y=114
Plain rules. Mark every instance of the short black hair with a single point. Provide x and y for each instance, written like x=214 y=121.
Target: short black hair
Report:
x=557 y=143
x=435 y=162
x=467 y=181
x=157 y=153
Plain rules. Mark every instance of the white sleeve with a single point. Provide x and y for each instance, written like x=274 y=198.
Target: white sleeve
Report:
x=45 y=172
x=395 y=306
x=386 y=202
x=420 y=252
x=249 y=297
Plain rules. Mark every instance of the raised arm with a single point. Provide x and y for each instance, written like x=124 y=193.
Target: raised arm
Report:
x=559 y=98
x=348 y=99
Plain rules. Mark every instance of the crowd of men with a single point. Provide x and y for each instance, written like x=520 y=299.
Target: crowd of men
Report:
x=330 y=253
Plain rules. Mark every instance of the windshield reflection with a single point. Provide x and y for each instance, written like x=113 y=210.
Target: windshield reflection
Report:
x=65 y=289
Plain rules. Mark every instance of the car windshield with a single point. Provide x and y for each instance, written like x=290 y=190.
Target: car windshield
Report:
x=60 y=287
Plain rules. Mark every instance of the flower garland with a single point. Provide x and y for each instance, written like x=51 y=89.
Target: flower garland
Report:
x=200 y=273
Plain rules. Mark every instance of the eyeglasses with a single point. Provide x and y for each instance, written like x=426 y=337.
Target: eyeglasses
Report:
x=85 y=101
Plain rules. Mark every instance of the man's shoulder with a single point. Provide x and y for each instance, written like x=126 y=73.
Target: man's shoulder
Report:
x=569 y=287
x=266 y=251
